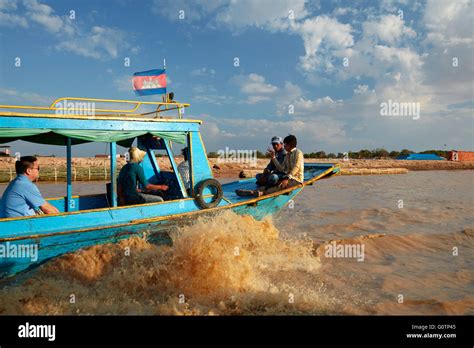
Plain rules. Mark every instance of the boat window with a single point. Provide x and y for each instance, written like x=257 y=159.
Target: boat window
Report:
x=181 y=155
x=91 y=173
x=168 y=158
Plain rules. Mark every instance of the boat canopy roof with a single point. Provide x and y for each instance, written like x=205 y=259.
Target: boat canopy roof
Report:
x=80 y=136
x=80 y=120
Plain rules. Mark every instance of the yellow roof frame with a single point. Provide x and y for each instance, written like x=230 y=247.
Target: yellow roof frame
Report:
x=116 y=112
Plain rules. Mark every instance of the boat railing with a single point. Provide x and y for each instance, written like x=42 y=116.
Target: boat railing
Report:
x=76 y=106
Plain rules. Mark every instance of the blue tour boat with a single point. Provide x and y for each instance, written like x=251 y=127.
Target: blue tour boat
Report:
x=94 y=219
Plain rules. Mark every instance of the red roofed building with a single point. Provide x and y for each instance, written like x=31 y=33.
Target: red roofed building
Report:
x=460 y=156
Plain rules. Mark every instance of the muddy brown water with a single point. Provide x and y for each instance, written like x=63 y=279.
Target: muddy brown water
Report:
x=416 y=231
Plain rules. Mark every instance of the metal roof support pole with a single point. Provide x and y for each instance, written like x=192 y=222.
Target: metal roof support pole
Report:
x=70 y=205
x=113 y=168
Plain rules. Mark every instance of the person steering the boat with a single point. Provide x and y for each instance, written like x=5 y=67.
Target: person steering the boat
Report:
x=22 y=197
x=130 y=175
x=271 y=175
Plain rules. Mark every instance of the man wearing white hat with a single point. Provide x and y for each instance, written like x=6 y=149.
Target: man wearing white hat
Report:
x=130 y=175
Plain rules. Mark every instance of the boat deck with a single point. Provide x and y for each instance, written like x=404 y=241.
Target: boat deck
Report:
x=312 y=172
x=229 y=189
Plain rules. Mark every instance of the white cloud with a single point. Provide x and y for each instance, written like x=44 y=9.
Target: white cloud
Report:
x=292 y=91
x=449 y=23
x=288 y=96
x=235 y=14
x=255 y=88
x=255 y=99
x=388 y=29
x=14 y=96
x=385 y=50
x=192 y=10
x=212 y=133
x=44 y=15
x=256 y=84
x=12 y=20
x=203 y=72
x=448 y=68
x=403 y=58
x=363 y=96
x=269 y=14
x=395 y=5
x=310 y=132
x=343 y=11
x=9 y=19
x=380 y=53
x=323 y=38
x=99 y=43
x=8 y=5
x=401 y=64
x=306 y=105
x=209 y=94
x=123 y=83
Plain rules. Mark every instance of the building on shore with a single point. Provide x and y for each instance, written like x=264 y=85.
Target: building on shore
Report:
x=100 y=155
x=4 y=151
x=460 y=156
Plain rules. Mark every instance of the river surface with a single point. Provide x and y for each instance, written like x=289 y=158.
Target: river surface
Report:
x=388 y=244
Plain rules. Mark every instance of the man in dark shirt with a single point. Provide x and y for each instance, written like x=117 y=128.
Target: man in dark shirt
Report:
x=271 y=174
x=130 y=175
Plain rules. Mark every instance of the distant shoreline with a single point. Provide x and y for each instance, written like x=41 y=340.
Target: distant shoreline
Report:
x=90 y=169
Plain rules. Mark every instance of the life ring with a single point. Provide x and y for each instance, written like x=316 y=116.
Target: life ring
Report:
x=215 y=186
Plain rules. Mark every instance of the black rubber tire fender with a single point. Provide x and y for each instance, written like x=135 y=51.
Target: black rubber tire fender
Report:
x=216 y=199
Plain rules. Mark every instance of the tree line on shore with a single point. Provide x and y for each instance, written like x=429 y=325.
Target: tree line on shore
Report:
x=361 y=154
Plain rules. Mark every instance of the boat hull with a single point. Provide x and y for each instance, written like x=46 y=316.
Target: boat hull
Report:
x=51 y=244
x=54 y=235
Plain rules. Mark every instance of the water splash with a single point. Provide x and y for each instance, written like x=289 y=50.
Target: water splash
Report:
x=227 y=264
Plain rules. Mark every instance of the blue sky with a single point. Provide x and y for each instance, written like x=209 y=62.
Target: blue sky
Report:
x=332 y=62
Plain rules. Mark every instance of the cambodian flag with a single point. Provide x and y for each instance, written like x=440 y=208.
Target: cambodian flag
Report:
x=150 y=82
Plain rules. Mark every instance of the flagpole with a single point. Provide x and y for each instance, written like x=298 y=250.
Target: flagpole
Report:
x=165 y=96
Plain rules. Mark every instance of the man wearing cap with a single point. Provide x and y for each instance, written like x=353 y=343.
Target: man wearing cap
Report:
x=271 y=175
x=292 y=167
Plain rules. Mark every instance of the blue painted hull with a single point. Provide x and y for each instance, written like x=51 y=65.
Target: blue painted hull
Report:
x=59 y=234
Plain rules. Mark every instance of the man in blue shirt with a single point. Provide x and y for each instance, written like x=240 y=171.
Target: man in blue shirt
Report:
x=22 y=197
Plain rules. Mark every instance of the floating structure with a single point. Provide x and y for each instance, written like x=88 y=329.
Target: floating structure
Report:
x=421 y=157
x=373 y=171
x=248 y=173
x=95 y=219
